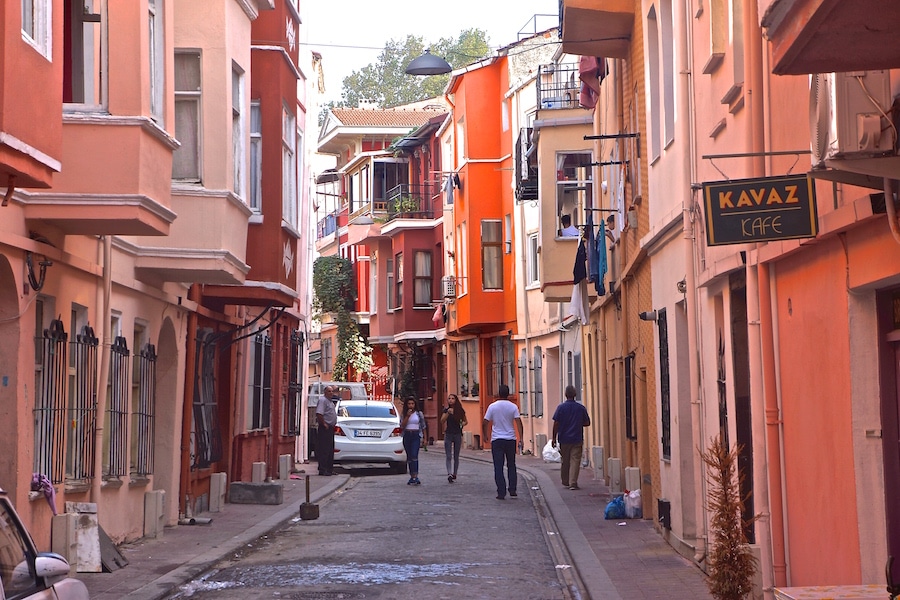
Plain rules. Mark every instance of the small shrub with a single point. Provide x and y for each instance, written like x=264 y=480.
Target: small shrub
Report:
x=732 y=566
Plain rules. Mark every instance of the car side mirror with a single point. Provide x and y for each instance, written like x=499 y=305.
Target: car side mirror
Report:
x=51 y=567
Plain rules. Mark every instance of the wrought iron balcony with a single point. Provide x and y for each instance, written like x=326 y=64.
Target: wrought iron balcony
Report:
x=558 y=86
x=407 y=201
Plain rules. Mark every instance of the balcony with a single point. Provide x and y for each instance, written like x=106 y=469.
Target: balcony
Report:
x=558 y=86
x=327 y=225
x=825 y=36
x=597 y=27
x=407 y=201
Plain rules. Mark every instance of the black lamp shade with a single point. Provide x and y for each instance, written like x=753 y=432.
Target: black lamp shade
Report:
x=428 y=64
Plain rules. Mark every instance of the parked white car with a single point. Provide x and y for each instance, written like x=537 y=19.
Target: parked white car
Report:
x=27 y=573
x=368 y=431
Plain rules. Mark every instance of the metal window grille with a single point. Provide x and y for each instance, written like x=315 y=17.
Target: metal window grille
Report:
x=502 y=369
x=538 y=382
x=207 y=437
x=116 y=433
x=261 y=388
x=50 y=402
x=82 y=406
x=723 y=392
x=665 y=398
x=630 y=430
x=143 y=411
x=523 y=383
x=291 y=421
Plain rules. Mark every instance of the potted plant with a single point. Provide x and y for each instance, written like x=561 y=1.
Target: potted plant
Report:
x=406 y=204
x=464 y=384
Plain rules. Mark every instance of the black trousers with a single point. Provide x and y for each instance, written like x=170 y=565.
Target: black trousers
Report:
x=325 y=449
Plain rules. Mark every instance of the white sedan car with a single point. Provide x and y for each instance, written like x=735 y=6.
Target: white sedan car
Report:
x=368 y=431
x=26 y=573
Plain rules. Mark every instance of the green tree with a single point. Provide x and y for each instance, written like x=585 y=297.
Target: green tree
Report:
x=386 y=83
x=334 y=293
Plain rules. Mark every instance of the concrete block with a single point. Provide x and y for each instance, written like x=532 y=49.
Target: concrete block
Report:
x=62 y=538
x=87 y=536
x=632 y=478
x=614 y=472
x=217 y=486
x=284 y=467
x=154 y=513
x=258 y=472
x=241 y=492
x=599 y=462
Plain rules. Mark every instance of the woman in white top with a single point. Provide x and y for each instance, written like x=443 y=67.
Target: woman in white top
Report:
x=413 y=425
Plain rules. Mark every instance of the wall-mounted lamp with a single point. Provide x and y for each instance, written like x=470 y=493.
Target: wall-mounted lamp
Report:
x=647 y=315
x=681 y=286
x=428 y=64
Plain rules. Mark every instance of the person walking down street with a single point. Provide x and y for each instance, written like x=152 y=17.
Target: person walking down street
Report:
x=569 y=422
x=454 y=419
x=502 y=417
x=326 y=417
x=413 y=426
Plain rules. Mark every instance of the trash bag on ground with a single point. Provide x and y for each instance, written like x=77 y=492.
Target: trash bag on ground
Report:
x=551 y=453
x=615 y=509
x=633 y=507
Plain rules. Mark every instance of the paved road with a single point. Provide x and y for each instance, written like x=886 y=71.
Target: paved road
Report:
x=380 y=538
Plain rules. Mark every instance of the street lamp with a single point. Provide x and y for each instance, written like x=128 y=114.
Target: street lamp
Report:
x=428 y=64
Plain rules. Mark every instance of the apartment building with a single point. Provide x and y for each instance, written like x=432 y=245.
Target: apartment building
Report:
x=132 y=163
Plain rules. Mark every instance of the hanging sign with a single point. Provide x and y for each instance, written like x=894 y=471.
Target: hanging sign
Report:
x=760 y=210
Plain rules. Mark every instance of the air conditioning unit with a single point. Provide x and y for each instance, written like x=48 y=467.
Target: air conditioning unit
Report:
x=448 y=286
x=848 y=115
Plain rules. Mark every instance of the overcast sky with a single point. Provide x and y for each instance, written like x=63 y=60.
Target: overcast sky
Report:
x=351 y=33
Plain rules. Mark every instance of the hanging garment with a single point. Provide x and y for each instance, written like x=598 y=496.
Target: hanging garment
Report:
x=593 y=267
x=600 y=259
x=591 y=71
x=579 y=271
x=578 y=305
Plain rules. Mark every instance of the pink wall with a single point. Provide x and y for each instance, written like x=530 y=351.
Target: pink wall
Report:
x=820 y=488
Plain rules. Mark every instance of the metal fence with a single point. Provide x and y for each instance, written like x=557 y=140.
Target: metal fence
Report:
x=50 y=402
x=82 y=405
x=143 y=410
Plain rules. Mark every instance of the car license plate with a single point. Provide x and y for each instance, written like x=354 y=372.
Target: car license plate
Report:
x=368 y=433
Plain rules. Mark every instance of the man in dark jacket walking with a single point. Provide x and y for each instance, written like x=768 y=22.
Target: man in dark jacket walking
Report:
x=569 y=422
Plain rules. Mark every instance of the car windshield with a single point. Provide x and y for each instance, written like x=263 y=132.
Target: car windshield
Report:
x=367 y=410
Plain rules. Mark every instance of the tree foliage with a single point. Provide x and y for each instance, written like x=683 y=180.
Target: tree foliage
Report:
x=334 y=292
x=386 y=83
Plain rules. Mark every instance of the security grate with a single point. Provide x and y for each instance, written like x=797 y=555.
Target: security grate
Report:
x=50 y=402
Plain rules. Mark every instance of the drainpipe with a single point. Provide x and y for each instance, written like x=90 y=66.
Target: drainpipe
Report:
x=686 y=97
x=763 y=389
x=103 y=383
x=190 y=373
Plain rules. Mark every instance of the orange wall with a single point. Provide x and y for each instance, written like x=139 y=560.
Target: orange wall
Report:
x=818 y=447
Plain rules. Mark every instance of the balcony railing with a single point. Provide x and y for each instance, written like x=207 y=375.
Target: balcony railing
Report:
x=413 y=201
x=558 y=86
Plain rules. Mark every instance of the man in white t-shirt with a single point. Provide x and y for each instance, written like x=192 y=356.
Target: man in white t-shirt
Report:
x=502 y=417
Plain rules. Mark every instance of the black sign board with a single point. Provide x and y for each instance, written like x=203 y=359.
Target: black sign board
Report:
x=760 y=210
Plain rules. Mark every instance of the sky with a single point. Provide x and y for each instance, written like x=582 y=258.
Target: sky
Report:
x=351 y=33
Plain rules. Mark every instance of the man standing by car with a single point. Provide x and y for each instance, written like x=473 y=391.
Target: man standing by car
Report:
x=326 y=416
x=502 y=416
x=569 y=422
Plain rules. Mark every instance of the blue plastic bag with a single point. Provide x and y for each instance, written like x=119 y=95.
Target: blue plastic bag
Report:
x=615 y=509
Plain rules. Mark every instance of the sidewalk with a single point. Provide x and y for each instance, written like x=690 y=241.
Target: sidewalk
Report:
x=614 y=561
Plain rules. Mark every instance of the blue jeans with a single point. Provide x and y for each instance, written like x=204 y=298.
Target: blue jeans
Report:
x=504 y=450
x=452 y=446
x=411 y=443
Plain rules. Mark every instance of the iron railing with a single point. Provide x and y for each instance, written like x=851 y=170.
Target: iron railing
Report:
x=82 y=406
x=50 y=402
x=408 y=201
x=143 y=415
x=558 y=86
x=116 y=436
